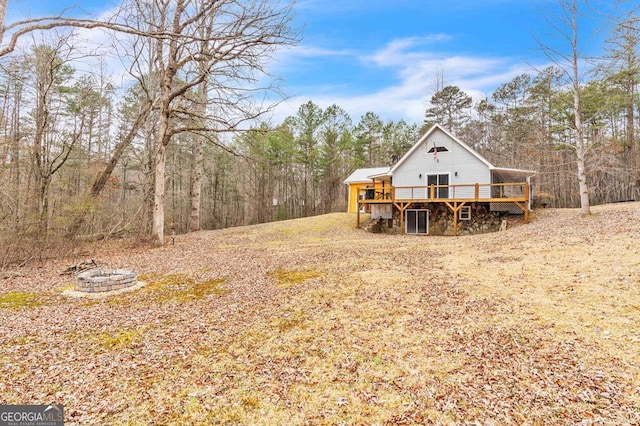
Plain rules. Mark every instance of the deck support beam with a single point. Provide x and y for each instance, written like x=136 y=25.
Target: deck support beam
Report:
x=402 y=207
x=455 y=208
x=526 y=201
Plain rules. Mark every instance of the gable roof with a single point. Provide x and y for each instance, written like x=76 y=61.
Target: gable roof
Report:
x=426 y=136
x=366 y=175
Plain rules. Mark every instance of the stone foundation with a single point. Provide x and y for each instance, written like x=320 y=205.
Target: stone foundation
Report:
x=97 y=280
x=482 y=220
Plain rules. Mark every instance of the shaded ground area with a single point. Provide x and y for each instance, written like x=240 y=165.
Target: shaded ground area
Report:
x=311 y=321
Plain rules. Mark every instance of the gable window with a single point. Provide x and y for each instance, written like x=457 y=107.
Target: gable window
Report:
x=437 y=149
x=437 y=180
x=464 y=213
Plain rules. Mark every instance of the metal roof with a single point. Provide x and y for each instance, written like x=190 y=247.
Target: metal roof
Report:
x=511 y=174
x=366 y=175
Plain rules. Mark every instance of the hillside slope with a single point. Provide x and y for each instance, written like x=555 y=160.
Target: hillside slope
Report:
x=312 y=321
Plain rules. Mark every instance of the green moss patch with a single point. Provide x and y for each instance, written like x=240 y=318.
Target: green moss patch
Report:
x=125 y=339
x=19 y=300
x=164 y=288
x=292 y=278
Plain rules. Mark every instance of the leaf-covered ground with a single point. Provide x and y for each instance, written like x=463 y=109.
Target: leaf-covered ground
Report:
x=312 y=321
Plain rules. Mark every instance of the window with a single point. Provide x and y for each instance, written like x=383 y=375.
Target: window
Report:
x=464 y=213
x=437 y=149
x=441 y=192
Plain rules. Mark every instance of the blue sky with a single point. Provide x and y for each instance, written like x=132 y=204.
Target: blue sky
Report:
x=383 y=56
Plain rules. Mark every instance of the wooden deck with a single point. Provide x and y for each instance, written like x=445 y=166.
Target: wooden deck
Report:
x=454 y=196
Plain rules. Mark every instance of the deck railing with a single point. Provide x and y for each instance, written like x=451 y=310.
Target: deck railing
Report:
x=455 y=197
x=513 y=191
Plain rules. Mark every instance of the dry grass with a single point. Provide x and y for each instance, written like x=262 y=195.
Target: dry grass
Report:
x=311 y=321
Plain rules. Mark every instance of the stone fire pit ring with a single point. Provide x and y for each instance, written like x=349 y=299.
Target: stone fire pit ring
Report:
x=101 y=280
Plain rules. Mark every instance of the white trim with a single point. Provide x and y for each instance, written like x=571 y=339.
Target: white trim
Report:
x=467 y=215
x=516 y=171
x=365 y=175
x=426 y=184
x=406 y=222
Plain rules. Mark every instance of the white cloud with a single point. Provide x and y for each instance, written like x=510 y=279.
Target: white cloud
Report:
x=412 y=69
x=395 y=53
x=92 y=51
x=305 y=51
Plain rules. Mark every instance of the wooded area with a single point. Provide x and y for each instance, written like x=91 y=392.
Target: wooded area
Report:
x=80 y=162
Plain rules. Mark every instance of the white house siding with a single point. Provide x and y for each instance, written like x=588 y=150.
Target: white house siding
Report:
x=416 y=167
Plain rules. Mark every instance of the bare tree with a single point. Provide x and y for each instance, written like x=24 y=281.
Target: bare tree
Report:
x=197 y=141
x=20 y=28
x=566 y=26
x=52 y=141
x=225 y=44
x=624 y=73
x=197 y=159
x=13 y=94
x=231 y=55
x=3 y=11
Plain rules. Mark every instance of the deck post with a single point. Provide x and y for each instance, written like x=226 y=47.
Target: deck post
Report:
x=455 y=219
x=358 y=214
x=455 y=208
x=526 y=202
x=477 y=191
x=401 y=207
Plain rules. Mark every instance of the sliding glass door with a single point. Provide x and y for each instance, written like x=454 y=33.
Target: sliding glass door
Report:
x=417 y=221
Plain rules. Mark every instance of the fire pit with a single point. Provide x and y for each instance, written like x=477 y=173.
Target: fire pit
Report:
x=98 y=280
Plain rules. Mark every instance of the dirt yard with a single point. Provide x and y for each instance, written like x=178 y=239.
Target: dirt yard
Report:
x=312 y=321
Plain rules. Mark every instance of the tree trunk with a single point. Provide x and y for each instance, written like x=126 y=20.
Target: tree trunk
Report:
x=41 y=166
x=43 y=201
x=102 y=179
x=583 y=188
x=15 y=154
x=157 y=230
x=148 y=182
x=3 y=11
x=631 y=143
x=196 y=184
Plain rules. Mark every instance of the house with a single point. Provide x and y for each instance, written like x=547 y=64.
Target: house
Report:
x=443 y=186
x=361 y=181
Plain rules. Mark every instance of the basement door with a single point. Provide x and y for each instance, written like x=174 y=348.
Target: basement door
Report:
x=417 y=222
